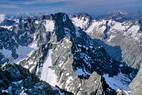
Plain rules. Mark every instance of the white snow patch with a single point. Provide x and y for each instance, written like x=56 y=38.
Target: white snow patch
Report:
x=68 y=83
x=79 y=71
x=7 y=27
x=49 y=25
x=25 y=52
x=118 y=82
x=47 y=74
x=134 y=28
x=67 y=40
x=22 y=52
x=91 y=28
x=103 y=28
x=80 y=22
x=98 y=26
x=111 y=37
x=69 y=79
x=127 y=30
x=133 y=31
x=33 y=45
x=121 y=65
x=6 y=53
x=126 y=92
x=16 y=20
x=36 y=22
x=119 y=26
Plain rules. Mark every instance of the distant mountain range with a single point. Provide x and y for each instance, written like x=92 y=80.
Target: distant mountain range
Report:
x=122 y=16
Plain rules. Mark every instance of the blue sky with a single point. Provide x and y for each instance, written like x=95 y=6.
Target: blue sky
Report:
x=93 y=7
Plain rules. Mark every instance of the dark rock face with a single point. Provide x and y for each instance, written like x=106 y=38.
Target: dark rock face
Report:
x=7 y=41
x=24 y=31
x=16 y=80
x=62 y=27
x=20 y=34
x=7 y=22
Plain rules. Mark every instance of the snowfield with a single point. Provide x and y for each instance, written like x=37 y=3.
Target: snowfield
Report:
x=22 y=51
x=49 y=25
x=119 y=82
x=47 y=73
x=25 y=52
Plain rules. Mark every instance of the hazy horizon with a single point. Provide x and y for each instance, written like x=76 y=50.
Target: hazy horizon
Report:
x=92 y=7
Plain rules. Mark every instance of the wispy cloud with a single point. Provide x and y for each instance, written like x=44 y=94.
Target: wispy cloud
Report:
x=30 y=2
x=42 y=2
x=9 y=6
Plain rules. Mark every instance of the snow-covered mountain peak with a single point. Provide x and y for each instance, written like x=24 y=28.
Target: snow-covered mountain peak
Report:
x=81 y=15
x=118 y=13
x=122 y=16
x=81 y=20
x=111 y=27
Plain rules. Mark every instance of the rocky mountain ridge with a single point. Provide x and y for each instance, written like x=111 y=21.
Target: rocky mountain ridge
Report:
x=78 y=54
